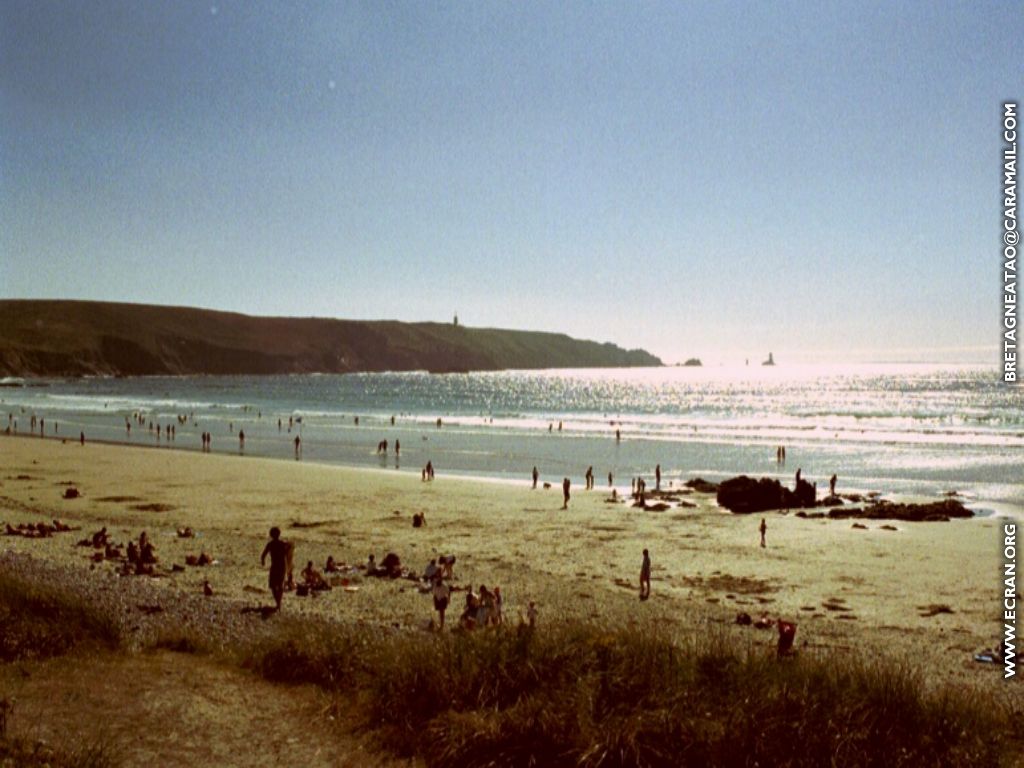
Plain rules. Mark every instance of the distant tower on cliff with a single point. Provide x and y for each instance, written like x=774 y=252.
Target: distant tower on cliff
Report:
x=455 y=322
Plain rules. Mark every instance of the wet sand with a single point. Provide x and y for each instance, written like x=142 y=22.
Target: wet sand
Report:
x=848 y=589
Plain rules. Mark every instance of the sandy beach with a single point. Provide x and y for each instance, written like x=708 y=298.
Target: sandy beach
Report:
x=924 y=593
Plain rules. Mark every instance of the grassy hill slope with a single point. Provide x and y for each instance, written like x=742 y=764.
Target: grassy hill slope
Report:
x=74 y=338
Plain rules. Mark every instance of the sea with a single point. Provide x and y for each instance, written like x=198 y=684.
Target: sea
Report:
x=905 y=431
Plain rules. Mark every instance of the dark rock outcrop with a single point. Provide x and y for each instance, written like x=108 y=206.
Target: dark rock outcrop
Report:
x=701 y=485
x=936 y=511
x=744 y=495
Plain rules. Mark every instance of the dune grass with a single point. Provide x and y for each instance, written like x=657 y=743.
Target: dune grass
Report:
x=33 y=754
x=39 y=622
x=588 y=694
x=583 y=694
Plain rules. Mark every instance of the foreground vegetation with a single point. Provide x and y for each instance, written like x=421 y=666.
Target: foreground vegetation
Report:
x=37 y=622
x=585 y=694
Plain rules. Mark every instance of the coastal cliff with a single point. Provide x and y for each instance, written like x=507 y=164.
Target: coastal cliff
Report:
x=77 y=338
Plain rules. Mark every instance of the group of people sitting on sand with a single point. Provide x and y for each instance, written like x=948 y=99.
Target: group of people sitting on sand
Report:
x=40 y=530
x=141 y=556
x=483 y=609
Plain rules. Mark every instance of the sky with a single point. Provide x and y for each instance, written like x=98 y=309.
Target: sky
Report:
x=720 y=180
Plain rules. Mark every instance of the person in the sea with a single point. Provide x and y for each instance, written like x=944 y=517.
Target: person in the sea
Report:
x=832 y=486
x=536 y=476
x=298 y=447
x=565 y=493
x=241 y=440
x=277 y=549
x=398 y=448
x=610 y=483
x=645 y=576
x=764 y=530
x=798 y=478
x=657 y=478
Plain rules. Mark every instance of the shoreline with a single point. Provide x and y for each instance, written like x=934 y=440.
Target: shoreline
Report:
x=980 y=508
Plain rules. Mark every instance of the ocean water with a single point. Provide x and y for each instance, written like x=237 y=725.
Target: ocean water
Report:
x=904 y=430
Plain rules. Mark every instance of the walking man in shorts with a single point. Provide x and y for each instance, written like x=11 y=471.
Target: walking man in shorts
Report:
x=442 y=594
x=278 y=551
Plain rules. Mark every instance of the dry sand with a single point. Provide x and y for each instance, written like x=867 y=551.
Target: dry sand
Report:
x=846 y=588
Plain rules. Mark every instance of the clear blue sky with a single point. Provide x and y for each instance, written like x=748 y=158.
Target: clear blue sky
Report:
x=714 y=179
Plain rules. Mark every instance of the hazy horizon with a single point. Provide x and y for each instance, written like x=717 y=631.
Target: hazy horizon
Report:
x=716 y=181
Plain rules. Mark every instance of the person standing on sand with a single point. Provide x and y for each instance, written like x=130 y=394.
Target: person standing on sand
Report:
x=81 y=438
x=764 y=530
x=536 y=476
x=645 y=576
x=442 y=593
x=278 y=551
x=565 y=493
x=832 y=486
x=590 y=477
